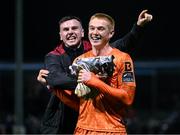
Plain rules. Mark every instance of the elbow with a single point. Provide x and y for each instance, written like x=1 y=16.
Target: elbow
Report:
x=51 y=83
x=129 y=97
x=129 y=102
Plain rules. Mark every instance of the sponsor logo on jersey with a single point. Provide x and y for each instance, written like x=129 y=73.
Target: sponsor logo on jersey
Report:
x=128 y=77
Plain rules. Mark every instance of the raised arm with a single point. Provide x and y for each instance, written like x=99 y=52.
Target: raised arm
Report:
x=130 y=40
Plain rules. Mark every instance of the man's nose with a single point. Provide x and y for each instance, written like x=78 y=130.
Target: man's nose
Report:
x=70 y=31
x=95 y=31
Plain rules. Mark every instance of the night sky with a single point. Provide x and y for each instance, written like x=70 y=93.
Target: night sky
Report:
x=40 y=34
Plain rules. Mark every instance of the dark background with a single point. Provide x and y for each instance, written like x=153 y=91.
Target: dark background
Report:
x=41 y=18
x=157 y=106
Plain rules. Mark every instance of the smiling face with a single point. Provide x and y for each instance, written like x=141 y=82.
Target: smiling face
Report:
x=100 y=31
x=71 y=32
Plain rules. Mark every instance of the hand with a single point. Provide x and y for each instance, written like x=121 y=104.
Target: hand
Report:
x=41 y=76
x=84 y=76
x=82 y=90
x=144 y=18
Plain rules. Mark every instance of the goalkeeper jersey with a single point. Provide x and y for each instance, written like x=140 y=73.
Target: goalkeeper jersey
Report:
x=105 y=112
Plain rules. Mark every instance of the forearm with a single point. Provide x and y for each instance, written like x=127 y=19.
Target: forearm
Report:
x=61 y=81
x=124 y=94
x=58 y=76
x=137 y=31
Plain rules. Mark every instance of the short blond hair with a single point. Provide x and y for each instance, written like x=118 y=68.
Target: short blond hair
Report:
x=106 y=17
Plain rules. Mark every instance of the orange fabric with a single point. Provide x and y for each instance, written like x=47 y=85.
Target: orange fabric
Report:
x=68 y=97
x=80 y=131
x=104 y=112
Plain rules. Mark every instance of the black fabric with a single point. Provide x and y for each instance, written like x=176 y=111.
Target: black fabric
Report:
x=53 y=117
x=59 y=76
x=58 y=117
x=58 y=65
x=129 y=42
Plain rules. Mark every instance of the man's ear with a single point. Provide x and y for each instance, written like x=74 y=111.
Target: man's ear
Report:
x=82 y=33
x=60 y=36
x=111 y=34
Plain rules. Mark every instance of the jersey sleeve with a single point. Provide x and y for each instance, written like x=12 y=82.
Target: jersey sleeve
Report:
x=68 y=97
x=125 y=89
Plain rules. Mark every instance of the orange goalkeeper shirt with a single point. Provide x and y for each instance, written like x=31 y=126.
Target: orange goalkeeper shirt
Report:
x=105 y=111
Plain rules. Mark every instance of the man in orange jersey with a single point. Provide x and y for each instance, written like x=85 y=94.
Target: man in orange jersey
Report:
x=104 y=111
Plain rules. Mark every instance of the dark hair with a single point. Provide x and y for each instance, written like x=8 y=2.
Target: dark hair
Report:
x=66 y=18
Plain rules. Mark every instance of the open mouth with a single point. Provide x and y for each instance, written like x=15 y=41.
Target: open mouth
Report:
x=71 y=37
x=95 y=37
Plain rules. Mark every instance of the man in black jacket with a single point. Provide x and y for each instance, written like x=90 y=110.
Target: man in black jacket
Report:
x=59 y=118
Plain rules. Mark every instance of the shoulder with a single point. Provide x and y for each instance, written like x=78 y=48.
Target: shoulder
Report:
x=87 y=45
x=119 y=54
x=58 y=50
x=121 y=58
x=55 y=54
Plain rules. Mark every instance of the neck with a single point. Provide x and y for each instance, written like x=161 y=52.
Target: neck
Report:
x=74 y=46
x=105 y=50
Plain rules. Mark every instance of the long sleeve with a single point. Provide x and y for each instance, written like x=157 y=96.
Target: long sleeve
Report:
x=58 y=76
x=130 y=40
x=121 y=86
x=68 y=98
x=124 y=94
